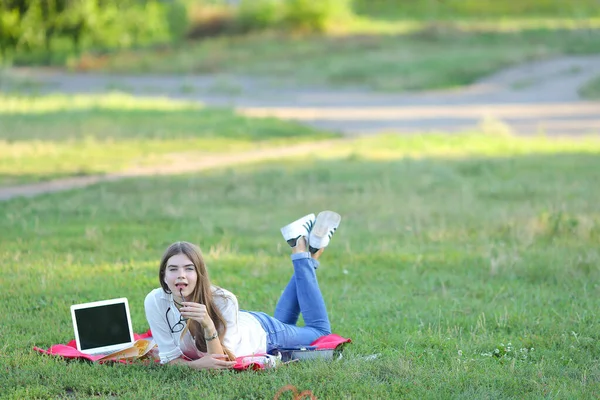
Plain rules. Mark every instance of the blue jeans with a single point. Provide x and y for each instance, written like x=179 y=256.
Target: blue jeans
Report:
x=301 y=295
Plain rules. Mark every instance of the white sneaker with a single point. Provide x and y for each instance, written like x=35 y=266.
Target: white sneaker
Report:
x=325 y=226
x=300 y=227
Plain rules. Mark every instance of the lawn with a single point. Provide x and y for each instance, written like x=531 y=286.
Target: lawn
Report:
x=395 y=10
x=46 y=137
x=433 y=56
x=468 y=264
x=384 y=45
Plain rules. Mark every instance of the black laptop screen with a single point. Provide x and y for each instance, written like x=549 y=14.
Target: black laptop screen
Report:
x=102 y=326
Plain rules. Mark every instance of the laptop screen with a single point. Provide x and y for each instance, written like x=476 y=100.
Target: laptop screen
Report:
x=102 y=326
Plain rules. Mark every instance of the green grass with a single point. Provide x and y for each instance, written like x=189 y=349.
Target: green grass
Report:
x=48 y=137
x=383 y=45
x=591 y=90
x=451 y=247
x=452 y=9
x=433 y=56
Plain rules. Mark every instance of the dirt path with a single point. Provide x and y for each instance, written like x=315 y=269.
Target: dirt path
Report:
x=182 y=166
x=541 y=95
x=537 y=97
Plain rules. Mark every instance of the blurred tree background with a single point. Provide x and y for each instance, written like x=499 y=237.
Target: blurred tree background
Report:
x=47 y=31
x=52 y=31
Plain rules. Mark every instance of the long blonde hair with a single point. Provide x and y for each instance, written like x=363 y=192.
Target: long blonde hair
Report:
x=203 y=293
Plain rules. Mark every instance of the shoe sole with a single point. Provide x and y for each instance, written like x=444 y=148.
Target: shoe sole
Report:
x=325 y=220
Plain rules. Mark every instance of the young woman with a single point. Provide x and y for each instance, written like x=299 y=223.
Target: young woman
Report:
x=200 y=325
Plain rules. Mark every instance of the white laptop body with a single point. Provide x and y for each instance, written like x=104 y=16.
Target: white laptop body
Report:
x=102 y=327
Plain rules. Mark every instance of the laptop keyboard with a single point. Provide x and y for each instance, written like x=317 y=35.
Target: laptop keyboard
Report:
x=104 y=353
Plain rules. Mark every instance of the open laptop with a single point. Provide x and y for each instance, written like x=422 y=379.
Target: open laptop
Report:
x=102 y=327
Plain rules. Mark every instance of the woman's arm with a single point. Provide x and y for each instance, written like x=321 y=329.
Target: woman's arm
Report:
x=209 y=361
x=155 y=314
x=198 y=313
x=213 y=344
x=228 y=305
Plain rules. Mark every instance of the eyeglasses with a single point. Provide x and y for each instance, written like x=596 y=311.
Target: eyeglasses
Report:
x=179 y=325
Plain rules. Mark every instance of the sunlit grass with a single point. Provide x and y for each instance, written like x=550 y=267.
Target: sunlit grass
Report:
x=389 y=147
x=26 y=104
x=56 y=136
x=66 y=143
x=465 y=145
x=450 y=248
x=483 y=24
x=42 y=160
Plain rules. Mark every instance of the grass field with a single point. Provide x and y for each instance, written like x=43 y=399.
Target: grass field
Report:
x=55 y=136
x=434 y=56
x=385 y=45
x=468 y=264
x=395 y=10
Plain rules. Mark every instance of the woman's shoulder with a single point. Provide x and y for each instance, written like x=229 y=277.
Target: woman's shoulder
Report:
x=156 y=295
x=223 y=296
x=219 y=291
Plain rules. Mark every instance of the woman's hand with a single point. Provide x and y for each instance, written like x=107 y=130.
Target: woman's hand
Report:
x=212 y=361
x=198 y=313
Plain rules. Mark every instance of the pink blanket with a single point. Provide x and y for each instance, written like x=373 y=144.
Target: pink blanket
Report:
x=70 y=351
x=328 y=342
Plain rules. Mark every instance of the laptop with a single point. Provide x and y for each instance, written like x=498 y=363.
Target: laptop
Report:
x=102 y=327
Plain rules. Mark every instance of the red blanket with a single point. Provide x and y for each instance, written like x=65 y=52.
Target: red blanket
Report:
x=328 y=342
x=70 y=351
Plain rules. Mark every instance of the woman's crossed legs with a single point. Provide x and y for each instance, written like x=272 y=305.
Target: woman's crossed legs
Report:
x=302 y=293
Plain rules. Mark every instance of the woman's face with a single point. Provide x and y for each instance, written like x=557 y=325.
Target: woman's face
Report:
x=181 y=275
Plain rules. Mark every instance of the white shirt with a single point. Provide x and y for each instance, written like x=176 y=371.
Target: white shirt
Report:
x=245 y=336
